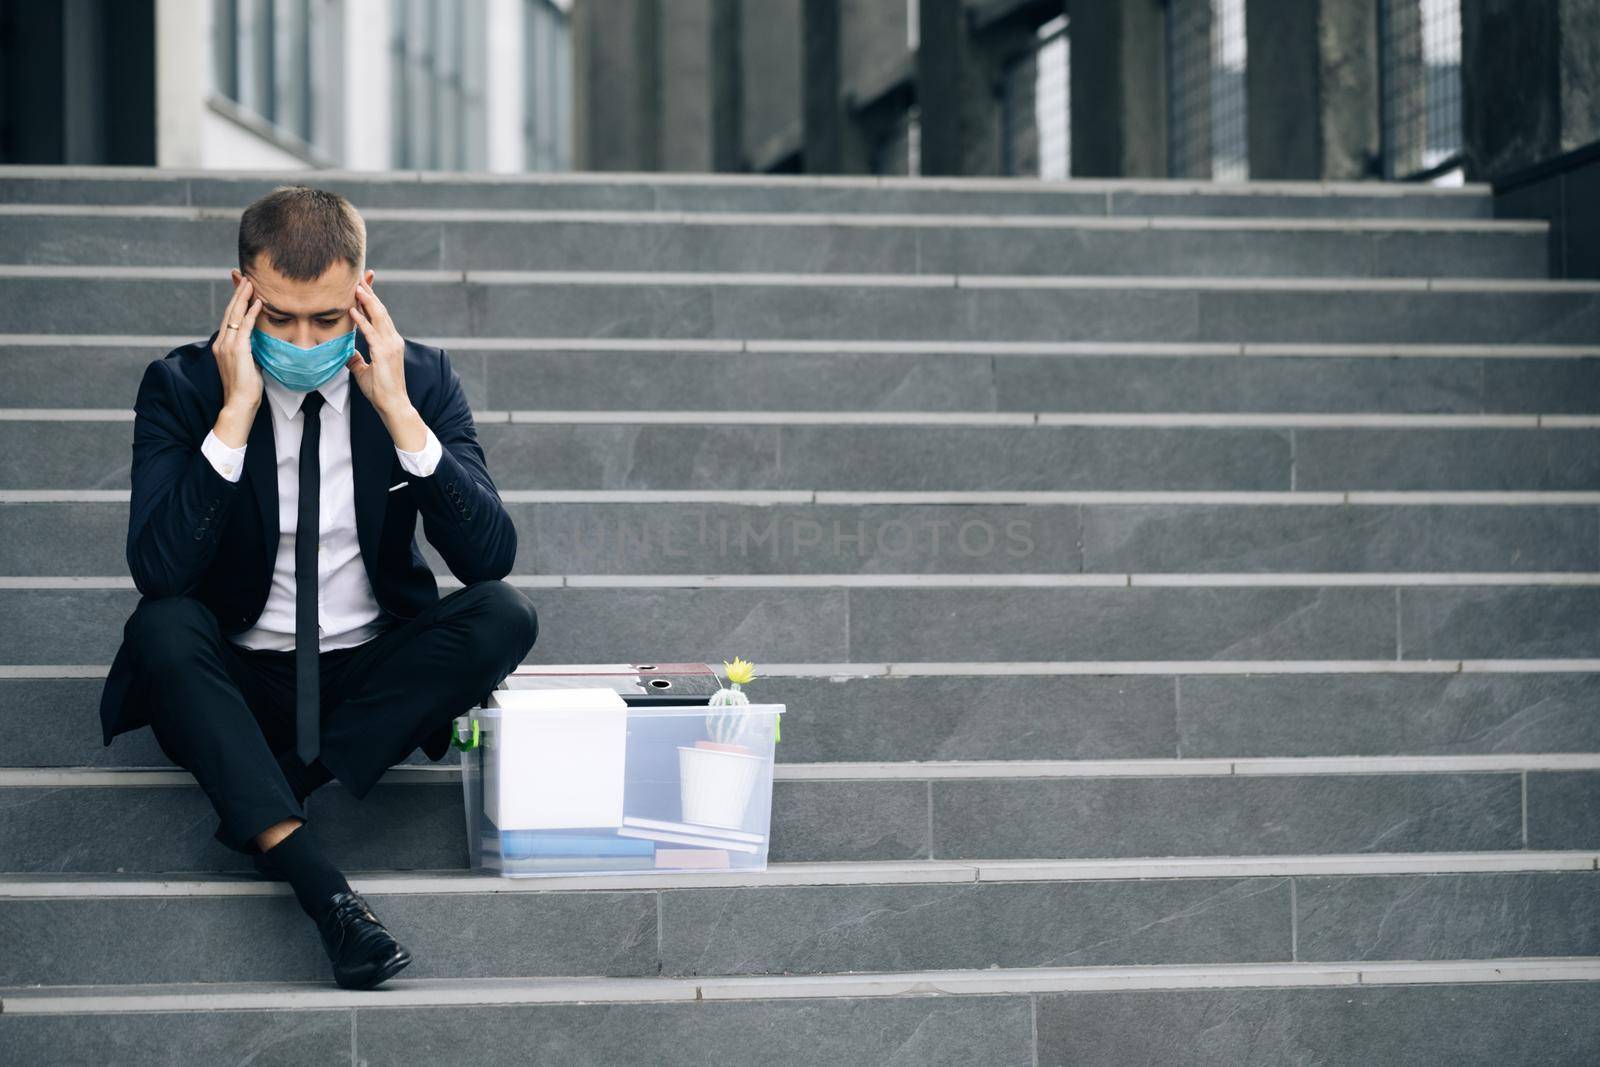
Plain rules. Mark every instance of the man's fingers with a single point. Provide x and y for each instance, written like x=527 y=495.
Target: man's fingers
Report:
x=227 y=312
x=368 y=327
x=243 y=313
x=241 y=293
x=380 y=313
x=232 y=313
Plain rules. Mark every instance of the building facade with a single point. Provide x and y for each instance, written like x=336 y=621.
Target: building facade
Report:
x=1432 y=90
x=473 y=85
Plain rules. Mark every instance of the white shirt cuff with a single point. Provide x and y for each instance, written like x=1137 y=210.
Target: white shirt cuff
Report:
x=421 y=463
x=229 y=462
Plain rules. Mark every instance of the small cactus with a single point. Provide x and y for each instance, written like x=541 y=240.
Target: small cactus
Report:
x=726 y=727
x=740 y=671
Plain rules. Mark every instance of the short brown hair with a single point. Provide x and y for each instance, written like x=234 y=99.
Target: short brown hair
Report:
x=302 y=231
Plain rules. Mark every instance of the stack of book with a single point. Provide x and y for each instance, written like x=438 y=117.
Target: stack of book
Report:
x=553 y=851
x=712 y=844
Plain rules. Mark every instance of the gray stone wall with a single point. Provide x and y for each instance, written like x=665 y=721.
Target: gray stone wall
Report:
x=1312 y=86
x=686 y=86
x=1530 y=81
x=771 y=43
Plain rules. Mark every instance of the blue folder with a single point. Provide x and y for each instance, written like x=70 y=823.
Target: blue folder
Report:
x=516 y=844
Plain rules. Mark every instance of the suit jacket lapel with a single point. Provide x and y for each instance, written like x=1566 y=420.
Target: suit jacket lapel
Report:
x=261 y=470
x=260 y=462
x=372 y=459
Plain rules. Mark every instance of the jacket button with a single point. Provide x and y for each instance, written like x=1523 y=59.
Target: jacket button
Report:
x=199 y=535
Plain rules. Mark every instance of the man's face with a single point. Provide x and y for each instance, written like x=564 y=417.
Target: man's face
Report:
x=305 y=313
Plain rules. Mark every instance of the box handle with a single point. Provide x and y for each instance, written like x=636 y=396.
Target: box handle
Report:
x=463 y=743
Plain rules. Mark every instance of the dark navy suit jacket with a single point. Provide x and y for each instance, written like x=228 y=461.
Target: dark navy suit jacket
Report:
x=193 y=532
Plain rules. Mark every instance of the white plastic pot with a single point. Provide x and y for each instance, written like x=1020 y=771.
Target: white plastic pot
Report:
x=716 y=785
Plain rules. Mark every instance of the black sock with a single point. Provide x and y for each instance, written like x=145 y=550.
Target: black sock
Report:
x=308 y=871
x=303 y=779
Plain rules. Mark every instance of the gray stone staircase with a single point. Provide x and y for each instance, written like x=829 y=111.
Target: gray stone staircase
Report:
x=1186 y=599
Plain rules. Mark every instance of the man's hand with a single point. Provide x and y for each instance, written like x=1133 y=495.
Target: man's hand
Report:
x=241 y=378
x=383 y=381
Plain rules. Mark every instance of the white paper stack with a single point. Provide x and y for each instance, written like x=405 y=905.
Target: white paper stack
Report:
x=557 y=759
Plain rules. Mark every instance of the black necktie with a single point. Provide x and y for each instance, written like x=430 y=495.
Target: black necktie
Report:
x=306 y=534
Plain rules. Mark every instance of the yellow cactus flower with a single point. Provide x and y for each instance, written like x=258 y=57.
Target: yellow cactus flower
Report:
x=741 y=672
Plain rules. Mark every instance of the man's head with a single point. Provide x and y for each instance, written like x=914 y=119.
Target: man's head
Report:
x=305 y=249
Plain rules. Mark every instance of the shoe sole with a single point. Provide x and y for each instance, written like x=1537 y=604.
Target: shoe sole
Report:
x=389 y=969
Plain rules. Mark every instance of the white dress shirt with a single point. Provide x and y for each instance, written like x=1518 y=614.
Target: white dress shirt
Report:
x=347 y=611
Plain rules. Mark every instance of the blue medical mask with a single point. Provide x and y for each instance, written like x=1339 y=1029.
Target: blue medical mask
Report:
x=301 y=369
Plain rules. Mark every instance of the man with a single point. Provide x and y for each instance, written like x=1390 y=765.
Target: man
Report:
x=290 y=631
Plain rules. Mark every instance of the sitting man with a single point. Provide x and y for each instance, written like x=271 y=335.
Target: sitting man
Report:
x=289 y=630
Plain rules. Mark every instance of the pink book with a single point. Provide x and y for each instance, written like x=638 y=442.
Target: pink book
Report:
x=710 y=858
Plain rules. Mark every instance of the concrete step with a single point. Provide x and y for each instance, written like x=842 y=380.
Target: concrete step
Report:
x=66 y=621
x=1279 y=803
x=92 y=449
x=847 y=242
x=1357 y=1012
x=815 y=307
x=1339 y=710
x=823 y=919
x=503 y=374
x=578 y=540
x=158 y=821
x=716 y=193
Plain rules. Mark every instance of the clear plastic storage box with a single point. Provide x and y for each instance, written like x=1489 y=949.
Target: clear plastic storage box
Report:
x=570 y=789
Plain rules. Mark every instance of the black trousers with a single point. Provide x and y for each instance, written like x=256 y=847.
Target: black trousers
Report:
x=224 y=712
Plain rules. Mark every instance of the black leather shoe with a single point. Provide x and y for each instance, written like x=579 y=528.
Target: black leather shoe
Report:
x=363 y=952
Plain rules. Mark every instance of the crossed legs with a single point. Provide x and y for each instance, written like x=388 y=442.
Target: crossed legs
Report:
x=226 y=713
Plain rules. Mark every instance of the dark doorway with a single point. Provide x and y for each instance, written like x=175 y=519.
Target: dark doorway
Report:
x=78 y=82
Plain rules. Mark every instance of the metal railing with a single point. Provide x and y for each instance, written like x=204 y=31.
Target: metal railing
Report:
x=1206 y=110
x=1035 y=107
x=1419 y=48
